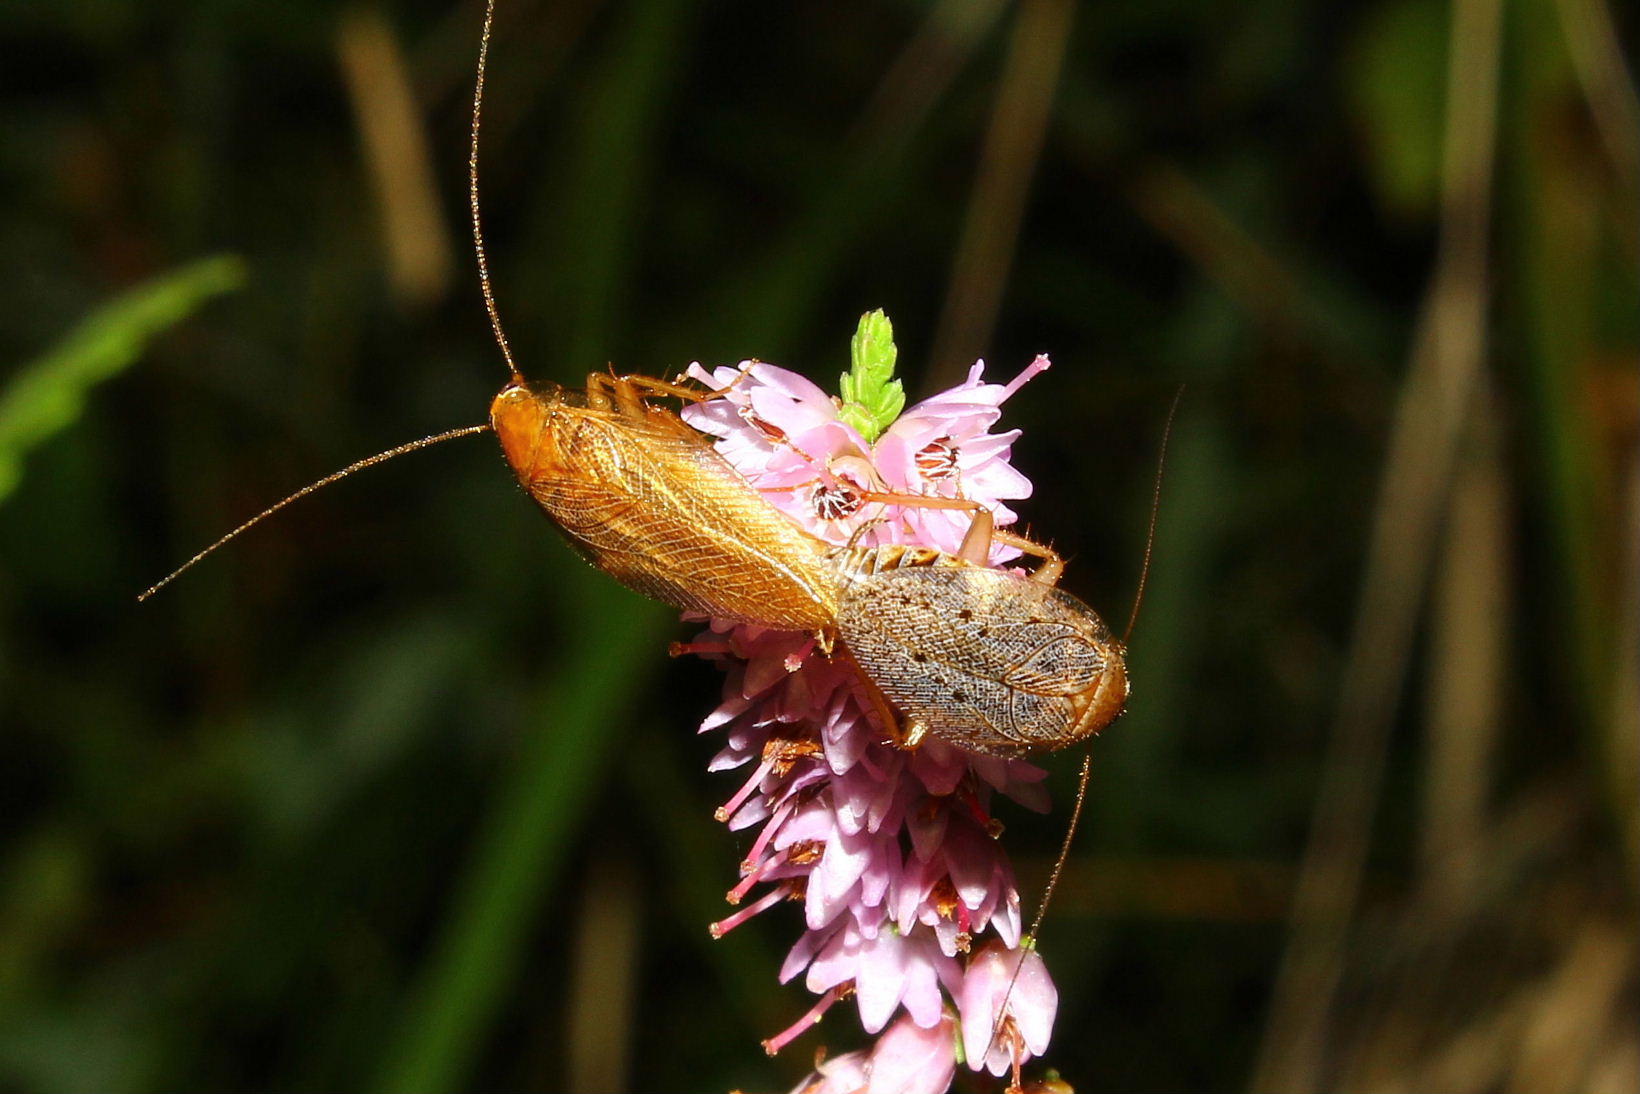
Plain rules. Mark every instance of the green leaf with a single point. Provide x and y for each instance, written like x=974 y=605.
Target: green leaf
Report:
x=1395 y=72
x=872 y=398
x=513 y=884
x=48 y=394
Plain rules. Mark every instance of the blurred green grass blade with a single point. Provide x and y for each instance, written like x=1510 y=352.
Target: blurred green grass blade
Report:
x=388 y=689
x=1560 y=249
x=777 y=296
x=609 y=175
x=1201 y=475
x=1395 y=74
x=48 y=394
x=699 y=873
x=572 y=735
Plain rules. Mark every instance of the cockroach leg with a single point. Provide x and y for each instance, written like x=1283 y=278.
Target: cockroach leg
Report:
x=1052 y=565
x=976 y=542
x=982 y=533
x=626 y=393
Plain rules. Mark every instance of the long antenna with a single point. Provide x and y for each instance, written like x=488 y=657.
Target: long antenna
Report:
x=368 y=461
x=472 y=196
x=1064 y=850
x=1155 y=507
x=489 y=307
x=1028 y=942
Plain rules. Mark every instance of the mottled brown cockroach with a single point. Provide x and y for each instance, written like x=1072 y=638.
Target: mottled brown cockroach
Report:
x=992 y=660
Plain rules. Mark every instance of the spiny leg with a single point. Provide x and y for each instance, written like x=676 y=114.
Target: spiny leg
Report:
x=625 y=393
x=976 y=542
x=1053 y=563
x=982 y=533
x=691 y=391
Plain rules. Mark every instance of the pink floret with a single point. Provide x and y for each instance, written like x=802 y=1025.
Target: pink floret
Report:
x=906 y=1059
x=784 y=435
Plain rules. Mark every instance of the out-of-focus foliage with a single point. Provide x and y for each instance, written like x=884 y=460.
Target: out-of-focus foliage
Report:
x=48 y=395
x=397 y=793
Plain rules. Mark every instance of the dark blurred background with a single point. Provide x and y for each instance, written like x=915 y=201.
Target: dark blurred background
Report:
x=395 y=793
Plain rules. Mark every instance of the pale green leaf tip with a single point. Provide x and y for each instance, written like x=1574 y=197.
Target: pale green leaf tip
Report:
x=872 y=398
x=48 y=394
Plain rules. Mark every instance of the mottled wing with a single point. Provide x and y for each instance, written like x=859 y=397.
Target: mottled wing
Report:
x=988 y=659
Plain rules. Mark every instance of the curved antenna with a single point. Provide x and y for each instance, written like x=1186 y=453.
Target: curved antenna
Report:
x=368 y=461
x=1064 y=850
x=489 y=307
x=1155 y=507
x=472 y=197
x=1028 y=942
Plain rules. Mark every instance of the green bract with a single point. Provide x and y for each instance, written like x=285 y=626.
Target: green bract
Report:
x=872 y=398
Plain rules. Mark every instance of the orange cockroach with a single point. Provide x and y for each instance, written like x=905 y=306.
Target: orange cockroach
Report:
x=987 y=659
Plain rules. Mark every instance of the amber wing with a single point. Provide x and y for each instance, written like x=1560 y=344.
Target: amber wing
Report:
x=650 y=503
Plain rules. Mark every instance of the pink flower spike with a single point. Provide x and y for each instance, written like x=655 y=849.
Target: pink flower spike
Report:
x=845 y=1074
x=753 y=812
x=906 y=1059
x=794 y=660
x=809 y=943
x=766 y=836
x=909 y=900
x=732 y=806
x=756 y=875
x=882 y=977
x=700 y=647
